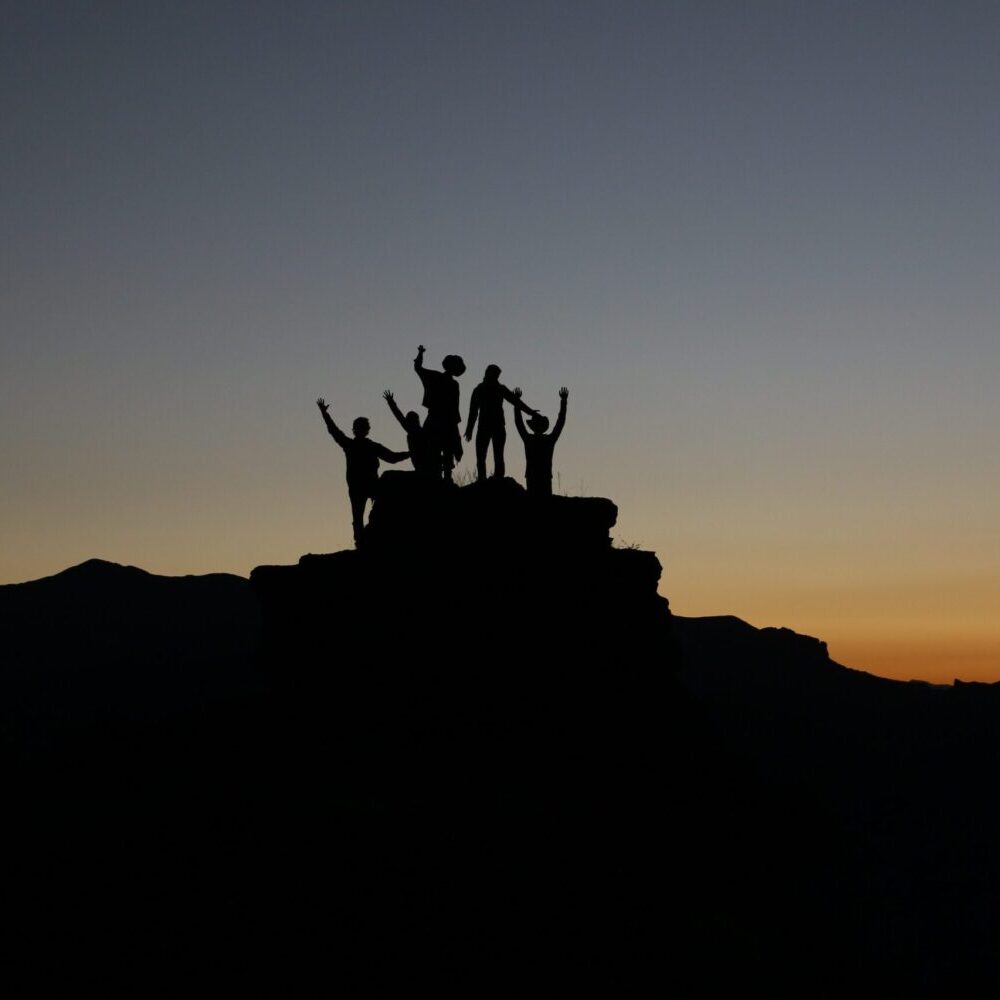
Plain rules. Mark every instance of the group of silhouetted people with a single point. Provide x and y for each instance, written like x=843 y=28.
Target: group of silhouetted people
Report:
x=435 y=446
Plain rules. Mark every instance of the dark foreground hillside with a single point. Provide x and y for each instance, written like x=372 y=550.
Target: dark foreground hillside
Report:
x=904 y=771
x=478 y=752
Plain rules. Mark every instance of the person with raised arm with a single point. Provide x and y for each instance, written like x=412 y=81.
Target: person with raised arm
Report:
x=441 y=398
x=539 y=446
x=487 y=404
x=362 y=463
x=425 y=463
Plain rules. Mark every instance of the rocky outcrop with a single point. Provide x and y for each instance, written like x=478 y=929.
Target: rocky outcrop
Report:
x=498 y=516
x=478 y=631
x=491 y=674
x=473 y=580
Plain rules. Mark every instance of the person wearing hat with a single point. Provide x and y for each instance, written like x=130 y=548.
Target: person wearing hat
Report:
x=539 y=446
x=441 y=398
x=487 y=404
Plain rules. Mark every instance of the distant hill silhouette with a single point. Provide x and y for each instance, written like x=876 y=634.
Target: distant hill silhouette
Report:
x=481 y=747
x=903 y=772
x=101 y=642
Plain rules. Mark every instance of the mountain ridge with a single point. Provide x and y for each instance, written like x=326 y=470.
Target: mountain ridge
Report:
x=96 y=568
x=485 y=726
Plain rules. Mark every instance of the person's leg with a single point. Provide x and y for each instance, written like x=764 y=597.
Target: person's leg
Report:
x=437 y=447
x=451 y=452
x=482 y=447
x=359 y=497
x=435 y=464
x=499 y=441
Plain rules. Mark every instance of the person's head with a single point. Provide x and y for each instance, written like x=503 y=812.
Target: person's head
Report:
x=413 y=421
x=538 y=423
x=361 y=427
x=453 y=365
x=492 y=373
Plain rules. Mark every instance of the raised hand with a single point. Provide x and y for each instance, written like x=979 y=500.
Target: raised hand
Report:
x=527 y=409
x=388 y=396
x=564 y=393
x=322 y=404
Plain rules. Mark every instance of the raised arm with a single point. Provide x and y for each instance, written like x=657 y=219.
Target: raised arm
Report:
x=418 y=361
x=561 y=419
x=515 y=398
x=335 y=432
x=473 y=413
x=396 y=412
x=518 y=419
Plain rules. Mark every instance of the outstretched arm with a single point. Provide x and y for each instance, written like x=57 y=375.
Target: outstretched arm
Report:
x=561 y=419
x=418 y=361
x=335 y=432
x=515 y=398
x=473 y=413
x=396 y=412
x=390 y=456
x=518 y=419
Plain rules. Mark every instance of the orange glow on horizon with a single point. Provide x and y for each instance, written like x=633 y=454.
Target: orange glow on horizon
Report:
x=934 y=660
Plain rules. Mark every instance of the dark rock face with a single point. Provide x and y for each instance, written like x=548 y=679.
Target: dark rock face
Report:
x=491 y=690
x=488 y=628
x=411 y=516
x=489 y=675
x=468 y=581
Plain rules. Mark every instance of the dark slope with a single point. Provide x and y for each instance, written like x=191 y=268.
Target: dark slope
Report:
x=903 y=771
x=481 y=750
x=119 y=695
x=460 y=751
x=102 y=643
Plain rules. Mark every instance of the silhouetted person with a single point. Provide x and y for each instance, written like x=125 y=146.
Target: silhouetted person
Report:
x=362 y=463
x=443 y=417
x=538 y=446
x=487 y=404
x=425 y=462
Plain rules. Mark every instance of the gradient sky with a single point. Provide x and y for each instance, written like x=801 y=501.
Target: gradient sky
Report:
x=760 y=242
